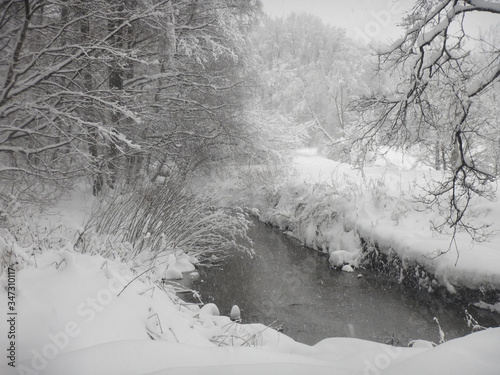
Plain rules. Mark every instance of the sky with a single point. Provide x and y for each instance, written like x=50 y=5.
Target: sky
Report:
x=364 y=20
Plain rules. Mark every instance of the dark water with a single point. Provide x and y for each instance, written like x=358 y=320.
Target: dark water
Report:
x=292 y=287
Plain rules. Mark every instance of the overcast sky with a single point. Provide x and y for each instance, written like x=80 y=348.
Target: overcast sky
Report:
x=368 y=20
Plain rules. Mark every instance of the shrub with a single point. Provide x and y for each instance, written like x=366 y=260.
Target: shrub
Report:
x=157 y=217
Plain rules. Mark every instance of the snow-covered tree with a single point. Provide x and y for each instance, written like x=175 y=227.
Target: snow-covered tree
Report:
x=310 y=72
x=85 y=83
x=439 y=80
x=54 y=104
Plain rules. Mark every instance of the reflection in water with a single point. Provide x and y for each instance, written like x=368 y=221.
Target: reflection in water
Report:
x=290 y=286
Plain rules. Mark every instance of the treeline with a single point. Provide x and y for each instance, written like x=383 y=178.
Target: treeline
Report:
x=311 y=73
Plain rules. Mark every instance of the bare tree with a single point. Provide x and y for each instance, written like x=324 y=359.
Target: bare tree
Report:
x=439 y=80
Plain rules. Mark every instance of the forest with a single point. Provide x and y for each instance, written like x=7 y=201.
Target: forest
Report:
x=174 y=122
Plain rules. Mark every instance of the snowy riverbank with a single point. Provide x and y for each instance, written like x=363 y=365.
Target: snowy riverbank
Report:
x=328 y=205
x=86 y=314
x=83 y=314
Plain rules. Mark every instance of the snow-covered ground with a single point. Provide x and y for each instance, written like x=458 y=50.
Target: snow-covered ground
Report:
x=85 y=314
x=72 y=321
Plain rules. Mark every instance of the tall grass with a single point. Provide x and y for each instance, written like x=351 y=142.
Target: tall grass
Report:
x=170 y=216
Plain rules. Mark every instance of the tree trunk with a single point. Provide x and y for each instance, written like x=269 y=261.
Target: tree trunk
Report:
x=437 y=156
x=115 y=82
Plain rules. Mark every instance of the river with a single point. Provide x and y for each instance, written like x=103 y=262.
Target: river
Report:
x=293 y=288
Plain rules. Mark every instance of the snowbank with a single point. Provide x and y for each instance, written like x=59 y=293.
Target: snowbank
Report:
x=72 y=321
x=327 y=204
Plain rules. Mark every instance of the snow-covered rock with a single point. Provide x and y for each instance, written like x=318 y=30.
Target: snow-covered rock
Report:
x=173 y=273
x=235 y=313
x=347 y=268
x=211 y=309
x=184 y=265
x=340 y=257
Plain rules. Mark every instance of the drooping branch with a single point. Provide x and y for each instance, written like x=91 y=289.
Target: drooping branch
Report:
x=439 y=80
x=429 y=46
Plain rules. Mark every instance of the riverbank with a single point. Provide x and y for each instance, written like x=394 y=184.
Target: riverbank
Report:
x=88 y=314
x=355 y=215
x=84 y=314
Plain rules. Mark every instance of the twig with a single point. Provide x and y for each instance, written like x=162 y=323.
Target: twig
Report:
x=147 y=290
x=59 y=264
x=173 y=333
x=259 y=333
x=130 y=282
x=158 y=319
x=34 y=257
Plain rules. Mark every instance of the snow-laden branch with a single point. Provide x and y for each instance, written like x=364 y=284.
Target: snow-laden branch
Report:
x=30 y=151
x=4 y=169
x=425 y=38
x=481 y=82
x=116 y=137
x=456 y=7
x=478 y=5
x=428 y=48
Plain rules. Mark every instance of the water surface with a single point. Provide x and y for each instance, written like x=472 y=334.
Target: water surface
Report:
x=292 y=287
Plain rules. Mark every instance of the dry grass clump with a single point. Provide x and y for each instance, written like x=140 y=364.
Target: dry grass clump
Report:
x=157 y=217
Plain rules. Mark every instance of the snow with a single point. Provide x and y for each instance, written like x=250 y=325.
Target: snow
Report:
x=486 y=5
x=72 y=322
x=347 y=268
x=453 y=358
x=480 y=82
x=327 y=204
x=488 y=306
x=426 y=37
x=235 y=313
x=393 y=46
x=86 y=314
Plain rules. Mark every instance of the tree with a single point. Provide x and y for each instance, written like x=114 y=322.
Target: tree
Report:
x=52 y=103
x=92 y=87
x=438 y=85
